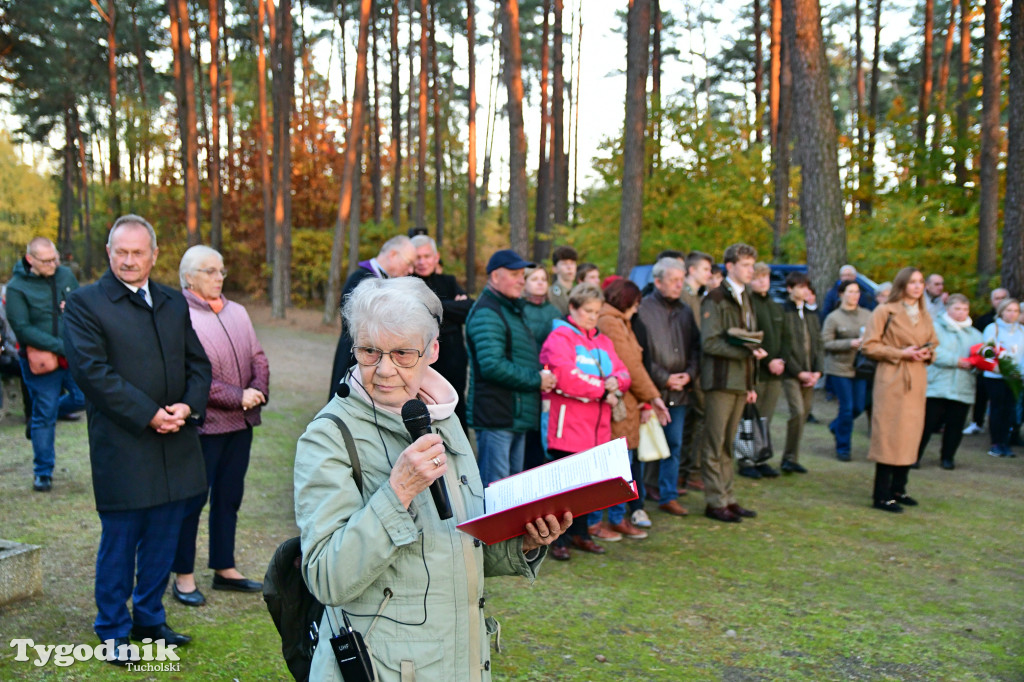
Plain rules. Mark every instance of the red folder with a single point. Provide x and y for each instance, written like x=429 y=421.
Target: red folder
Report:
x=509 y=523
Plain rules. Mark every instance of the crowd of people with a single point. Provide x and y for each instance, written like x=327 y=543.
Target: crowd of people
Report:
x=540 y=366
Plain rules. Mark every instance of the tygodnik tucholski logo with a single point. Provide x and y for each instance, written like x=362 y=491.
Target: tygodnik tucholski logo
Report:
x=149 y=656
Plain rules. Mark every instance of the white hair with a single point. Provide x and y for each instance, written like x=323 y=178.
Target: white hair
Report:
x=192 y=258
x=666 y=265
x=423 y=240
x=394 y=244
x=847 y=268
x=401 y=306
x=132 y=219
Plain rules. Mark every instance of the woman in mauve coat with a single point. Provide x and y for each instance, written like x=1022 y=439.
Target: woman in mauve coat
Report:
x=901 y=338
x=240 y=386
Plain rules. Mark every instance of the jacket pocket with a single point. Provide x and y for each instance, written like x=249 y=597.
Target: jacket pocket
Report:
x=412 y=660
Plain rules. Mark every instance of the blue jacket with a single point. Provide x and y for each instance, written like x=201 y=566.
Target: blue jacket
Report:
x=1010 y=337
x=945 y=377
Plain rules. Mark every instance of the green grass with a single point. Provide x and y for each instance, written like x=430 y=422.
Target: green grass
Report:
x=818 y=587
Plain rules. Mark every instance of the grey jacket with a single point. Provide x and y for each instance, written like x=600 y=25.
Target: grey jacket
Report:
x=841 y=327
x=354 y=549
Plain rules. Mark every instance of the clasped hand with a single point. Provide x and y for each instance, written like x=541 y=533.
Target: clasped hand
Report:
x=917 y=354
x=170 y=418
x=417 y=467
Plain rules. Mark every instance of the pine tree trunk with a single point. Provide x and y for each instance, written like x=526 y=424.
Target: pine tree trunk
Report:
x=86 y=203
x=262 y=129
x=114 y=151
x=1013 y=211
x=187 y=120
x=541 y=225
x=560 y=189
x=758 y=72
x=988 y=200
x=435 y=93
x=942 y=82
x=423 y=104
x=350 y=175
x=376 y=179
x=925 y=100
x=471 y=152
x=229 y=106
x=782 y=116
x=656 y=26
x=867 y=181
x=513 y=73
x=283 y=66
x=815 y=150
x=638 y=35
x=859 y=141
x=215 y=176
x=774 y=71
x=962 y=102
x=492 y=110
x=396 y=123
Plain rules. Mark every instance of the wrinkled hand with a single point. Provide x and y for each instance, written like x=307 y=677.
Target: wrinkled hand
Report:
x=759 y=353
x=661 y=410
x=170 y=418
x=611 y=384
x=251 y=397
x=548 y=381
x=545 y=531
x=777 y=366
x=751 y=397
x=415 y=468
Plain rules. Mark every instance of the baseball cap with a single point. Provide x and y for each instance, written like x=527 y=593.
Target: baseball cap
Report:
x=507 y=258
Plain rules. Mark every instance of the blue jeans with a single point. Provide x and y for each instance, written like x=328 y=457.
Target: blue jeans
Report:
x=851 y=394
x=47 y=405
x=668 y=469
x=499 y=454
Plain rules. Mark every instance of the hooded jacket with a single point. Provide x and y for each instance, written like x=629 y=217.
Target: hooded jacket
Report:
x=946 y=379
x=579 y=418
x=35 y=306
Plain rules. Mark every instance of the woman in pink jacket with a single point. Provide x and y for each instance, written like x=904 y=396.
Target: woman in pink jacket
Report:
x=591 y=379
x=240 y=387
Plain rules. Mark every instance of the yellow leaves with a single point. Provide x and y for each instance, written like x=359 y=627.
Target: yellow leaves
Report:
x=28 y=206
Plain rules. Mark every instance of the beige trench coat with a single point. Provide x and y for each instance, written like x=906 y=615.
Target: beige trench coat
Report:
x=897 y=414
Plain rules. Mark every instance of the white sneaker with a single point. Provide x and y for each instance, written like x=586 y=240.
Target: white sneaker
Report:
x=972 y=429
x=640 y=519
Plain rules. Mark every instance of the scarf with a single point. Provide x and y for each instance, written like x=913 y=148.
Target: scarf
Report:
x=957 y=325
x=439 y=395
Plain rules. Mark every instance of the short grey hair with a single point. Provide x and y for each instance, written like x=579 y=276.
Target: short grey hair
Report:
x=1004 y=290
x=394 y=244
x=957 y=298
x=423 y=240
x=847 y=268
x=400 y=306
x=192 y=258
x=132 y=219
x=884 y=286
x=583 y=293
x=666 y=265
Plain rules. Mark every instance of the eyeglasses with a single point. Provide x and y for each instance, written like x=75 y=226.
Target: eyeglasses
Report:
x=45 y=261
x=213 y=271
x=400 y=357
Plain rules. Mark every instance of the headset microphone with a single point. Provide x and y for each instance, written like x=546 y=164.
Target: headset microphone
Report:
x=417 y=421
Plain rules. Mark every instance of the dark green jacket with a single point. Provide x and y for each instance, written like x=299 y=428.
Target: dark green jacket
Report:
x=724 y=366
x=539 y=319
x=504 y=382
x=771 y=319
x=35 y=306
x=798 y=359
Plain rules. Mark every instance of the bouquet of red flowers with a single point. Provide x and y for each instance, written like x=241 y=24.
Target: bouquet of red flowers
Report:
x=991 y=357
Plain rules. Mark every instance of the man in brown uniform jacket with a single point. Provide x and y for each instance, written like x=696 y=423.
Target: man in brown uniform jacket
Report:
x=728 y=377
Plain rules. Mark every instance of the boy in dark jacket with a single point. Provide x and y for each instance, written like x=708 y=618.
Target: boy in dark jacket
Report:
x=805 y=358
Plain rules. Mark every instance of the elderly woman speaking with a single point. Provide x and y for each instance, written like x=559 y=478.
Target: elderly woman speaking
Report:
x=241 y=378
x=379 y=554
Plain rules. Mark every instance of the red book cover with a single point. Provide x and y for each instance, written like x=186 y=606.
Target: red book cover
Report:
x=509 y=523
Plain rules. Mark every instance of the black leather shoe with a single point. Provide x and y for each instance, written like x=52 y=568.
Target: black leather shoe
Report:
x=721 y=514
x=42 y=484
x=767 y=471
x=193 y=598
x=889 y=506
x=793 y=468
x=236 y=584
x=158 y=632
x=948 y=465
x=116 y=655
x=750 y=472
x=740 y=511
x=906 y=500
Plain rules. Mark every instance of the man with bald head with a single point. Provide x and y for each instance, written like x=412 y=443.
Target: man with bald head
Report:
x=847 y=273
x=397 y=258
x=35 y=311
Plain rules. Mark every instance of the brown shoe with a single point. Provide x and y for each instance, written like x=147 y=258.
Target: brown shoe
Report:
x=559 y=552
x=721 y=514
x=587 y=545
x=628 y=530
x=695 y=484
x=674 y=508
x=740 y=511
x=601 y=532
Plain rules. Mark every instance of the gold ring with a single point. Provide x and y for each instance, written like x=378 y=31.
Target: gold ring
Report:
x=436 y=462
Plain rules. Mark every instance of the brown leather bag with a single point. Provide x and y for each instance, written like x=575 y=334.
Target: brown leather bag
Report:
x=40 y=361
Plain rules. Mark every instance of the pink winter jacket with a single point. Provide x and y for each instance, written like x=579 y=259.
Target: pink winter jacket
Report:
x=238 y=363
x=578 y=418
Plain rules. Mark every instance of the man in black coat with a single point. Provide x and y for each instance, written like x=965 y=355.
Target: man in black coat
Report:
x=452 y=360
x=395 y=259
x=132 y=350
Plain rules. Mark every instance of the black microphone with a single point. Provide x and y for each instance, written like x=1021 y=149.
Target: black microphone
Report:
x=417 y=421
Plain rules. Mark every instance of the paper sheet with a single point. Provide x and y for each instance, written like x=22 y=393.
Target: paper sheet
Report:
x=606 y=461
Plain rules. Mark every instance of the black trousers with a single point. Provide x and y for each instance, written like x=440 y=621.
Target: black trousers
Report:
x=980 y=402
x=579 y=523
x=890 y=481
x=943 y=412
x=1002 y=410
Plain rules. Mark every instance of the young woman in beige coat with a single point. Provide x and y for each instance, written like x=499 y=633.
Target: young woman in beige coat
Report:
x=901 y=338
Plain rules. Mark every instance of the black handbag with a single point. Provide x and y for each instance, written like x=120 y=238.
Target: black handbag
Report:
x=863 y=366
x=753 y=442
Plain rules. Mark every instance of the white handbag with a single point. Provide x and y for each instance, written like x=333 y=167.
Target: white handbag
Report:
x=653 y=446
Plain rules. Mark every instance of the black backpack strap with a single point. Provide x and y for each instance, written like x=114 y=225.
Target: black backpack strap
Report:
x=350 y=444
